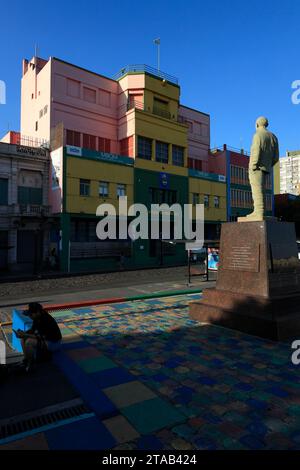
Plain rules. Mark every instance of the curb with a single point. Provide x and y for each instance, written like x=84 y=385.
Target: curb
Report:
x=86 y=303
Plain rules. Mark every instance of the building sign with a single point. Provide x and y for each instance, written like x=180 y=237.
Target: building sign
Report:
x=164 y=181
x=32 y=151
x=100 y=156
x=207 y=176
x=71 y=150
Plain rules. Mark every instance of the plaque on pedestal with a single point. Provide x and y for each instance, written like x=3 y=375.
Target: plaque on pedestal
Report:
x=258 y=286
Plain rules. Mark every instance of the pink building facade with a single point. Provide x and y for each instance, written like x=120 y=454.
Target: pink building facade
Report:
x=94 y=110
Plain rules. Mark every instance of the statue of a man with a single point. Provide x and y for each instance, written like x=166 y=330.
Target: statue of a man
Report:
x=264 y=154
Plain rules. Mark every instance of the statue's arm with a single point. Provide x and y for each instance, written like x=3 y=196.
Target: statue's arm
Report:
x=276 y=152
x=255 y=152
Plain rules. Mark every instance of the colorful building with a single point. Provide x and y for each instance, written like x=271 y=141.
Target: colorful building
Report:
x=234 y=164
x=129 y=135
x=25 y=221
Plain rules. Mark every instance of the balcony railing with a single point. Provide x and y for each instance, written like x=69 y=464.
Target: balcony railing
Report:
x=155 y=110
x=142 y=68
x=28 y=141
x=33 y=210
x=161 y=112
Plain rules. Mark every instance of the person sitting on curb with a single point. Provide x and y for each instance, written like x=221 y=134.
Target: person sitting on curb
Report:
x=42 y=339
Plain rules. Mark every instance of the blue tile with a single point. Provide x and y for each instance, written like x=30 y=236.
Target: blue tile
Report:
x=244 y=386
x=185 y=391
x=257 y=427
x=87 y=389
x=252 y=442
x=159 y=377
x=258 y=404
x=279 y=392
x=87 y=434
x=75 y=345
x=205 y=380
x=173 y=363
x=83 y=310
x=205 y=443
x=149 y=443
x=110 y=377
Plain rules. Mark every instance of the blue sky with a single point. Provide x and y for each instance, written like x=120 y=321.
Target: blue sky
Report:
x=235 y=60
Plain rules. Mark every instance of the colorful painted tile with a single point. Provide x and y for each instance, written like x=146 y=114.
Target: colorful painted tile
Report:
x=152 y=415
x=128 y=394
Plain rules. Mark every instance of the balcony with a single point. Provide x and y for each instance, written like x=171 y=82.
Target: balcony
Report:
x=142 y=68
x=161 y=112
x=29 y=210
x=155 y=110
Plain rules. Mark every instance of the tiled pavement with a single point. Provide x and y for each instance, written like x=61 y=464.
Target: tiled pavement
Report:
x=154 y=379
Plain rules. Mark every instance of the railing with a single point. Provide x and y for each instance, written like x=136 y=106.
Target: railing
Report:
x=182 y=120
x=31 y=141
x=135 y=105
x=99 y=249
x=156 y=110
x=161 y=112
x=222 y=148
x=35 y=210
x=142 y=68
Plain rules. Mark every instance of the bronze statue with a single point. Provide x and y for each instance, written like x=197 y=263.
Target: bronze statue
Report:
x=264 y=154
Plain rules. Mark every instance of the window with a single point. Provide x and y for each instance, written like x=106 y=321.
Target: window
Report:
x=195 y=164
x=45 y=109
x=104 y=145
x=73 y=138
x=41 y=113
x=160 y=108
x=136 y=100
x=190 y=124
x=84 y=188
x=3 y=191
x=126 y=147
x=162 y=152
x=89 y=95
x=121 y=190
x=104 y=98
x=89 y=141
x=216 y=202
x=160 y=196
x=103 y=188
x=36 y=125
x=206 y=200
x=144 y=148
x=73 y=88
x=195 y=198
x=177 y=155
x=29 y=195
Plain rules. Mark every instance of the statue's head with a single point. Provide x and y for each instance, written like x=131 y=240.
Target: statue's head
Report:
x=261 y=122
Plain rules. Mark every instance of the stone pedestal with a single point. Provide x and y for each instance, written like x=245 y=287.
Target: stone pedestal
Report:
x=258 y=286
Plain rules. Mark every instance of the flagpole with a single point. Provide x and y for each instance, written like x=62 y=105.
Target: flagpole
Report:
x=157 y=42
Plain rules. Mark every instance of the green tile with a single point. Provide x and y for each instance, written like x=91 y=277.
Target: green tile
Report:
x=129 y=393
x=96 y=364
x=152 y=415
